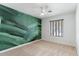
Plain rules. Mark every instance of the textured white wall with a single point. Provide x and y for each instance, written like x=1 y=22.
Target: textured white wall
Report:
x=77 y=29
x=69 y=29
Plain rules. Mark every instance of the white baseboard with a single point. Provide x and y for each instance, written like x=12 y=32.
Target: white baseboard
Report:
x=64 y=43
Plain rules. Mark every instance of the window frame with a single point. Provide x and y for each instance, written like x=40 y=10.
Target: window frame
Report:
x=59 y=30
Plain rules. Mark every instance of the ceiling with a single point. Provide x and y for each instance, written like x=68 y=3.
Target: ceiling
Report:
x=35 y=10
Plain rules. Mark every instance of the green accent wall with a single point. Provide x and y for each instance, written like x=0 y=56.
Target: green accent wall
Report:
x=17 y=28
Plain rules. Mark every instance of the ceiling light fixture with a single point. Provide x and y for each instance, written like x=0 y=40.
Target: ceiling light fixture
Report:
x=44 y=10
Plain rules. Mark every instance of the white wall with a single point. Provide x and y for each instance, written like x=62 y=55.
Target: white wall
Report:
x=77 y=29
x=69 y=29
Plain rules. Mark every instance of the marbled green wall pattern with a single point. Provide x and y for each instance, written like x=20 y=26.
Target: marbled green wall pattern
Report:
x=17 y=28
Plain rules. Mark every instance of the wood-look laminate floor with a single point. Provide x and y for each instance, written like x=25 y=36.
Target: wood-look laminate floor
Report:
x=42 y=48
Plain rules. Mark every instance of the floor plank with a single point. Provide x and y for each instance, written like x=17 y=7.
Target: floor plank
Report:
x=42 y=48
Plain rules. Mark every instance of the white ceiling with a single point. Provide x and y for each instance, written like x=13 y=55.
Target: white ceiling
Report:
x=34 y=8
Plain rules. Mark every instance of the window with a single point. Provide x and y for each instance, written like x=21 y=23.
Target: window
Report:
x=56 y=28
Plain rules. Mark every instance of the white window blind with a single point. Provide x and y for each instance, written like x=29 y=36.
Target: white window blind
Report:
x=56 y=28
